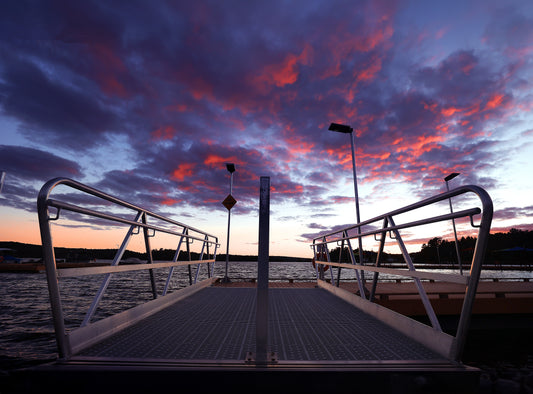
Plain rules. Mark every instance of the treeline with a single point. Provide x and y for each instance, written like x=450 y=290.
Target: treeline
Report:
x=81 y=255
x=513 y=247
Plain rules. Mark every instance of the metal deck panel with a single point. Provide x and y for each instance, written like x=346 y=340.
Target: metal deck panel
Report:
x=219 y=324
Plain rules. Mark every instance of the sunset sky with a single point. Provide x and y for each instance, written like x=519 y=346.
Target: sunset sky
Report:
x=148 y=101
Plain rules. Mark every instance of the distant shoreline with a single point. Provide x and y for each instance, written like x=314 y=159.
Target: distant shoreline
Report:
x=34 y=267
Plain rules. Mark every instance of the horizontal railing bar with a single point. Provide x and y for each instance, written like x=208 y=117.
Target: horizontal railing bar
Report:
x=86 y=211
x=435 y=219
x=452 y=278
x=47 y=188
x=420 y=204
x=83 y=271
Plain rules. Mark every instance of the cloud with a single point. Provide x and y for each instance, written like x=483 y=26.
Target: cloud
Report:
x=52 y=112
x=27 y=169
x=511 y=32
x=35 y=165
x=514 y=213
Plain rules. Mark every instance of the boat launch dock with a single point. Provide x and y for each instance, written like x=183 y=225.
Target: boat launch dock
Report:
x=317 y=341
x=305 y=325
x=213 y=336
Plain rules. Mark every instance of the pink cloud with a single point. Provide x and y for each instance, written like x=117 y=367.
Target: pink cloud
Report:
x=183 y=171
x=284 y=73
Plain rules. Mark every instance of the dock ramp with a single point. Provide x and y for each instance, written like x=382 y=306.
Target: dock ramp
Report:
x=211 y=337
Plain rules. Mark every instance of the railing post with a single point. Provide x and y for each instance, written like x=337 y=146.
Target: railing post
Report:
x=49 y=259
x=262 y=272
x=475 y=271
x=188 y=245
x=378 y=260
x=149 y=253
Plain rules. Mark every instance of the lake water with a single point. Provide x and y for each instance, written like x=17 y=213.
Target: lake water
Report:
x=26 y=328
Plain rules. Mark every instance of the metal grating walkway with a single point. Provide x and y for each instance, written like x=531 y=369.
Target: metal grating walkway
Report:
x=219 y=324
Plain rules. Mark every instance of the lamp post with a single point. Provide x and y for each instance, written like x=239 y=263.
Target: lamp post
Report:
x=229 y=202
x=340 y=128
x=449 y=178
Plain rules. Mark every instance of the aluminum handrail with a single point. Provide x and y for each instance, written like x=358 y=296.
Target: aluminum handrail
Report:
x=51 y=184
x=85 y=211
x=188 y=234
x=320 y=250
x=483 y=196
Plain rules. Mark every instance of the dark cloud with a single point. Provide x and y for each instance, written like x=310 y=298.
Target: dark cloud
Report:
x=27 y=169
x=35 y=165
x=514 y=213
x=51 y=112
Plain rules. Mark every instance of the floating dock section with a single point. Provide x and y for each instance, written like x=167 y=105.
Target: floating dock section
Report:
x=213 y=338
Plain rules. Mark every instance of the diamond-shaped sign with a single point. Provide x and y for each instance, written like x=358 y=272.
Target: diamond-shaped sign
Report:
x=229 y=202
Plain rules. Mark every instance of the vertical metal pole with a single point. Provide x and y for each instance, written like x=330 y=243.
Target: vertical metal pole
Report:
x=188 y=244
x=262 y=272
x=214 y=257
x=378 y=261
x=226 y=278
x=357 y=207
x=207 y=248
x=340 y=259
x=455 y=234
x=49 y=259
x=475 y=270
x=149 y=253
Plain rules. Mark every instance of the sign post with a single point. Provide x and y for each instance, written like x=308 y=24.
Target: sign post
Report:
x=229 y=202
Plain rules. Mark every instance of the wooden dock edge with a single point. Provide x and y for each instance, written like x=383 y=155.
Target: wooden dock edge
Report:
x=437 y=341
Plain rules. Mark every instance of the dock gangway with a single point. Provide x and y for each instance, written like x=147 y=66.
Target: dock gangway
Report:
x=204 y=337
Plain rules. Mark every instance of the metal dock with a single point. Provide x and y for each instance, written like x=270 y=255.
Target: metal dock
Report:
x=305 y=325
x=258 y=339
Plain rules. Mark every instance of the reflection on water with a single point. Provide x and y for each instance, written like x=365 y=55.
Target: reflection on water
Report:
x=27 y=332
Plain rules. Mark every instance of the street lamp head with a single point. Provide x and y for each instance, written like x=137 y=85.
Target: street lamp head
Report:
x=341 y=128
x=451 y=176
x=230 y=167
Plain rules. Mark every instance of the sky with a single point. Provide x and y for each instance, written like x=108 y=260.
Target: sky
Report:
x=148 y=101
